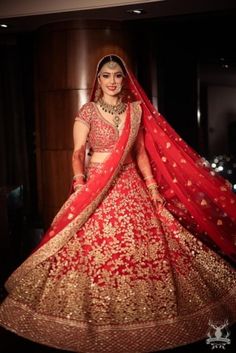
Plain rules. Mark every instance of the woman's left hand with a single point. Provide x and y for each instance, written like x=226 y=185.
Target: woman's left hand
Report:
x=156 y=197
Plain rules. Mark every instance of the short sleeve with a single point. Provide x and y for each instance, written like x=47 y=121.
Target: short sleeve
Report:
x=84 y=115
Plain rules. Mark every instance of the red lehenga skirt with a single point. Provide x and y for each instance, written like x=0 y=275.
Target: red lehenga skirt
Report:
x=129 y=281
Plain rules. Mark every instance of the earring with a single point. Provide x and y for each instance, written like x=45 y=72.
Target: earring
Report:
x=98 y=93
x=124 y=94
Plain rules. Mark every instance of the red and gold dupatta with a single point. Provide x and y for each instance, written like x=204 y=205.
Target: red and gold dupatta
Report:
x=195 y=194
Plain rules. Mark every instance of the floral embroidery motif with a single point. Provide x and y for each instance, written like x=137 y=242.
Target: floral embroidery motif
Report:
x=123 y=264
x=127 y=267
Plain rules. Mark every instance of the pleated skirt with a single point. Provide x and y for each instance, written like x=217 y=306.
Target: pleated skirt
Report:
x=131 y=280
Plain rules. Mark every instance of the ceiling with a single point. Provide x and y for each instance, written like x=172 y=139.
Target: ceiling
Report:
x=16 y=20
x=16 y=8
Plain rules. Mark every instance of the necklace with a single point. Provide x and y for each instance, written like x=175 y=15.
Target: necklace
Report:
x=115 y=110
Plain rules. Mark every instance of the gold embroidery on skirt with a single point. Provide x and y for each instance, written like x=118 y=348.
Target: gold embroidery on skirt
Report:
x=54 y=244
x=126 y=281
x=159 y=292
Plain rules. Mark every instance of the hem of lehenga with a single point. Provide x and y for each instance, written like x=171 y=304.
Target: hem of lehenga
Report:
x=65 y=333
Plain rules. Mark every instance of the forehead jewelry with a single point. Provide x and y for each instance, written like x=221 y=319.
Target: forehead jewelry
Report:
x=111 y=64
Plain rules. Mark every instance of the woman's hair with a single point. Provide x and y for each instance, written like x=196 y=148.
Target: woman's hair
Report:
x=110 y=58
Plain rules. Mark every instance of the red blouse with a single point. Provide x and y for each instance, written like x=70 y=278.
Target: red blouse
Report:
x=102 y=134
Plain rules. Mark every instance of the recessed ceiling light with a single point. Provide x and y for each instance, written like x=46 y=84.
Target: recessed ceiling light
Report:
x=3 y=25
x=136 y=11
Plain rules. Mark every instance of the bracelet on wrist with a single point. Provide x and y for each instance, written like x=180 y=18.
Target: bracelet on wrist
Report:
x=76 y=176
x=150 y=182
x=78 y=186
x=152 y=186
x=148 y=177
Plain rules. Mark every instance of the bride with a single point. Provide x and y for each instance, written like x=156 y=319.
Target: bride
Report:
x=135 y=260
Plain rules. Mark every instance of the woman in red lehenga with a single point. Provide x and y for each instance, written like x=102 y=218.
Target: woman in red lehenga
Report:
x=135 y=259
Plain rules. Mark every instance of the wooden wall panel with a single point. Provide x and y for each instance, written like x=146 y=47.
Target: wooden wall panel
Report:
x=51 y=61
x=84 y=51
x=56 y=177
x=58 y=110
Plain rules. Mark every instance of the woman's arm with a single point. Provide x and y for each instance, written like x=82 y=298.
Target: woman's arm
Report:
x=145 y=168
x=80 y=133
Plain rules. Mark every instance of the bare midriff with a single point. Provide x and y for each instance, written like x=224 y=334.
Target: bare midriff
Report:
x=100 y=157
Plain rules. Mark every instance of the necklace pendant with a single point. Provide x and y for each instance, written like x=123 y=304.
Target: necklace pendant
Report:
x=116 y=121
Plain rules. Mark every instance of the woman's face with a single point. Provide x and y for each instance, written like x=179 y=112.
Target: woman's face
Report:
x=110 y=79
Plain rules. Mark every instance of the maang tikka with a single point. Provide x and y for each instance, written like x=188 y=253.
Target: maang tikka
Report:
x=111 y=64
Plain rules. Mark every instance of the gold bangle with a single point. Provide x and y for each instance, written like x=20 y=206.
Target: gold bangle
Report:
x=78 y=186
x=76 y=176
x=152 y=186
x=148 y=177
x=153 y=189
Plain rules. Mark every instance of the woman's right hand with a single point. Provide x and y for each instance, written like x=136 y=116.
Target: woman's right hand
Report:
x=78 y=183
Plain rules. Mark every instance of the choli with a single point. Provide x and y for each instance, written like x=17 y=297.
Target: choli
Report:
x=103 y=135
